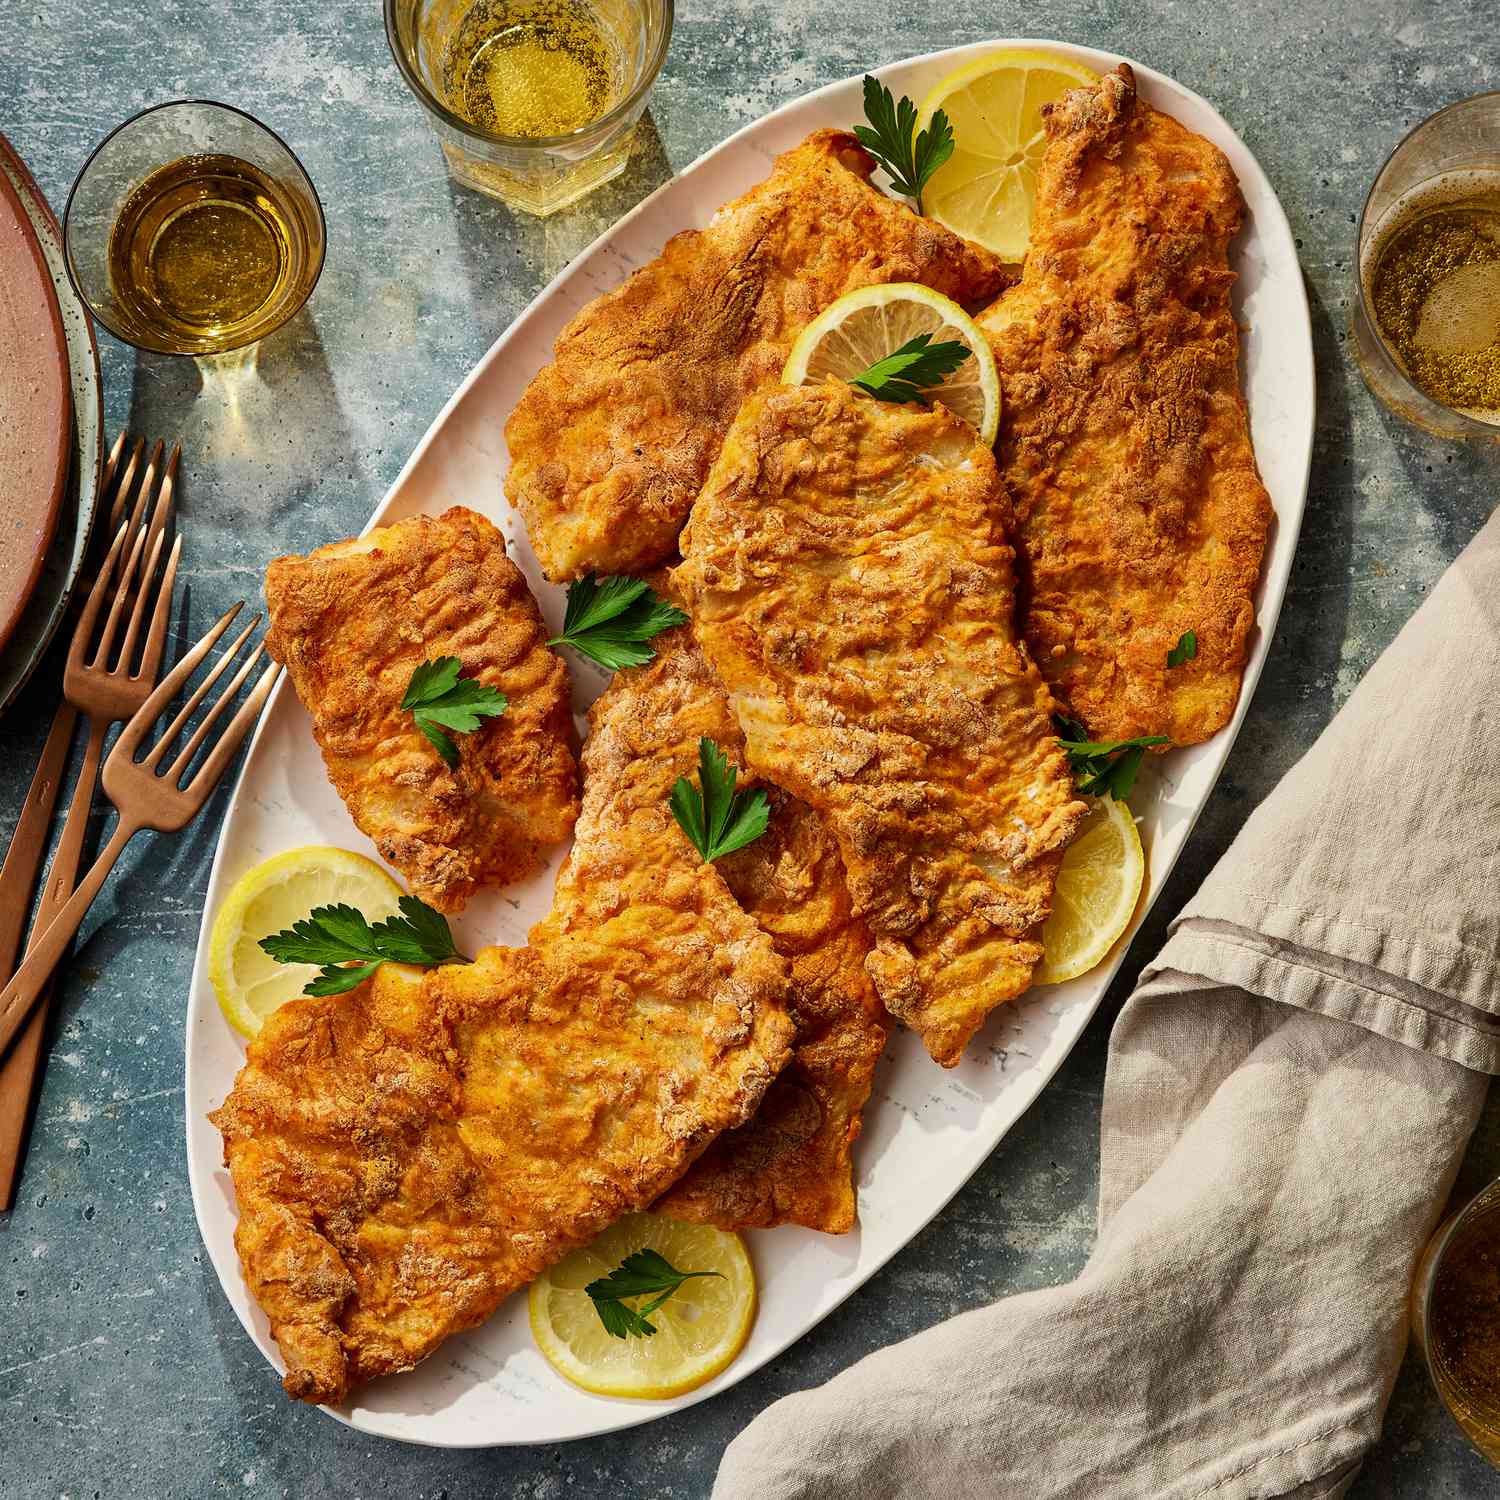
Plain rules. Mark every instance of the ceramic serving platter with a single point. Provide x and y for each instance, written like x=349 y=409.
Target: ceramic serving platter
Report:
x=926 y=1129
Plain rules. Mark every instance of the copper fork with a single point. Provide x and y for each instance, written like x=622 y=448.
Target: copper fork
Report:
x=104 y=696
x=146 y=796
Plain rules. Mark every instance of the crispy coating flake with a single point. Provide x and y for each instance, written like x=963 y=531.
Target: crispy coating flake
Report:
x=611 y=442
x=353 y=620
x=1125 y=442
x=791 y=1163
x=851 y=583
x=407 y=1155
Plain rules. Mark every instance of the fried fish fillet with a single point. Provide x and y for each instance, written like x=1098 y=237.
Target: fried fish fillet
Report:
x=1125 y=442
x=353 y=620
x=407 y=1155
x=849 y=579
x=791 y=1163
x=611 y=442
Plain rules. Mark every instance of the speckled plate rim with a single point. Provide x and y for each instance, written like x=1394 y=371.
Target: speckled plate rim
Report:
x=489 y=1387
x=70 y=542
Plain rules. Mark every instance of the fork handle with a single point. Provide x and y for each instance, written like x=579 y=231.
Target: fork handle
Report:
x=26 y=987
x=20 y=1067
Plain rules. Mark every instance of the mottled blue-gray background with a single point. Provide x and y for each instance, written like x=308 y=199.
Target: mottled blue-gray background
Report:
x=122 y=1370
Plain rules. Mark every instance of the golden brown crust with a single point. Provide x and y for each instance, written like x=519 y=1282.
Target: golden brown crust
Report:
x=1125 y=442
x=352 y=621
x=851 y=583
x=407 y=1155
x=611 y=442
x=791 y=1163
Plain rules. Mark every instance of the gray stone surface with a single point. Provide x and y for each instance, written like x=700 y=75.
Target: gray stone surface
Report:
x=122 y=1370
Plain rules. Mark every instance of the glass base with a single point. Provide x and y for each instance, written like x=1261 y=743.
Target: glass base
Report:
x=543 y=190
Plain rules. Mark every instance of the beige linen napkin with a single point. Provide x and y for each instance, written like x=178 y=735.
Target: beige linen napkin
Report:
x=1288 y=1095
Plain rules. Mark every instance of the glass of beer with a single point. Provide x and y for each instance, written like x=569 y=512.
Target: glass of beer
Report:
x=1455 y=1318
x=1426 y=319
x=534 y=102
x=193 y=229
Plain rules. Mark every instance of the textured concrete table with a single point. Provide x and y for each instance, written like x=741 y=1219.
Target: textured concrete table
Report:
x=122 y=1370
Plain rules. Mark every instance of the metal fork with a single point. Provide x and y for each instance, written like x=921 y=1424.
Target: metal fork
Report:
x=146 y=796
x=104 y=695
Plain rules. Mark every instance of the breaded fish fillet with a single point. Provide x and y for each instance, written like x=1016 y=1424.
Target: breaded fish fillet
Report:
x=407 y=1155
x=353 y=620
x=849 y=579
x=1125 y=442
x=611 y=442
x=791 y=1162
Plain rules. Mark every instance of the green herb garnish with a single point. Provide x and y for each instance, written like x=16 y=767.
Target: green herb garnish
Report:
x=1107 y=767
x=718 y=820
x=1185 y=649
x=336 y=936
x=888 y=138
x=640 y=1274
x=610 y=620
x=907 y=374
x=439 y=699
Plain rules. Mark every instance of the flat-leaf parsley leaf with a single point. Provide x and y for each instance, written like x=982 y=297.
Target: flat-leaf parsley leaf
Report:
x=888 y=138
x=907 y=373
x=340 y=935
x=718 y=820
x=610 y=620
x=1103 y=767
x=439 y=699
x=640 y=1274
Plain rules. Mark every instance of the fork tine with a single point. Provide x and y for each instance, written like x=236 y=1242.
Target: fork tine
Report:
x=133 y=628
x=164 y=742
x=168 y=491
x=112 y=462
x=173 y=773
x=235 y=731
x=127 y=483
x=117 y=604
x=156 y=637
x=148 y=713
x=83 y=632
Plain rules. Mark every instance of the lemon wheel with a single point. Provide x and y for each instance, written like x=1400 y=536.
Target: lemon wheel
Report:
x=1098 y=887
x=249 y=983
x=986 y=190
x=864 y=326
x=699 y=1328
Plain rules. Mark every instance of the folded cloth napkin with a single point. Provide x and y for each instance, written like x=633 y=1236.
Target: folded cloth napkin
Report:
x=1289 y=1092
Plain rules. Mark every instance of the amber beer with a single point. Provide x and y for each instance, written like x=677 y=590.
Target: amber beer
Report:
x=206 y=251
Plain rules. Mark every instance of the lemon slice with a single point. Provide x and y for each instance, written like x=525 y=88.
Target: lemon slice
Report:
x=1098 y=886
x=985 y=191
x=863 y=326
x=281 y=890
x=699 y=1328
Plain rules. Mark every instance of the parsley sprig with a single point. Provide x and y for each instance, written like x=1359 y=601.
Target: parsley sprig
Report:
x=439 y=699
x=911 y=370
x=888 y=138
x=640 y=1274
x=718 y=820
x=610 y=620
x=340 y=935
x=1185 y=649
x=1103 y=767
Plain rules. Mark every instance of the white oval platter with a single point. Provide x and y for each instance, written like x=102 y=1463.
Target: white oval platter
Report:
x=926 y=1129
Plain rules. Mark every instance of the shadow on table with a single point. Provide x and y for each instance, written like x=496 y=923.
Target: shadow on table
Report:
x=547 y=245
x=272 y=410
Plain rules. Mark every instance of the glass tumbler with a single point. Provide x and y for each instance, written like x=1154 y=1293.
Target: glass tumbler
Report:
x=434 y=44
x=1458 y=145
x=1455 y=1317
x=193 y=229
